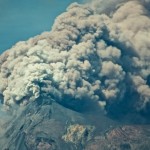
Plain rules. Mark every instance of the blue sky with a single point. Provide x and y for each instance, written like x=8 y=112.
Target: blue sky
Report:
x=21 y=19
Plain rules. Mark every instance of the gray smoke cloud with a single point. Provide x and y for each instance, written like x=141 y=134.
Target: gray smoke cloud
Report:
x=99 y=51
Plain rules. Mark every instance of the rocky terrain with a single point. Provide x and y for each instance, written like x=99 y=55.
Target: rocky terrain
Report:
x=47 y=125
x=133 y=137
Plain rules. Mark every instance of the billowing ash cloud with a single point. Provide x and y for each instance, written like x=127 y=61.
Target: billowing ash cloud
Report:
x=93 y=52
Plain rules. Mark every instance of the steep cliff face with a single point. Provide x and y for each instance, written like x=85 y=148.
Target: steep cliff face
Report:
x=43 y=125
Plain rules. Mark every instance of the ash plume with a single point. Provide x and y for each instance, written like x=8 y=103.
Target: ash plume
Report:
x=93 y=52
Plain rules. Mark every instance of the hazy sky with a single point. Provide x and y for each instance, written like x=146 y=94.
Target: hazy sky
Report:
x=21 y=19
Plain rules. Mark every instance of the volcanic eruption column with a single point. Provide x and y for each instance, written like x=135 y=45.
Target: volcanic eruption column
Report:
x=98 y=51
